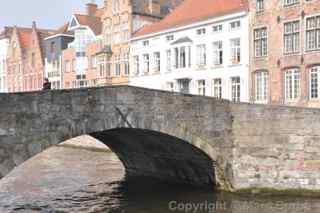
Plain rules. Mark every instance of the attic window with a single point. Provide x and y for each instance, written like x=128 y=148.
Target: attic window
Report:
x=146 y=43
x=73 y=23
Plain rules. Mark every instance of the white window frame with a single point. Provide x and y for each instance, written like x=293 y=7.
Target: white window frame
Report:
x=292 y=78
x=314 y=88
x=156 y=61
x=146 y=63
x=217 y=88
x=261 y=86
x=217 y=47
x=201 y=55
x=291 y=37
x=312 y=32
x=201 y=87
x=236 y=89
x=235 y=48
x=260 y=42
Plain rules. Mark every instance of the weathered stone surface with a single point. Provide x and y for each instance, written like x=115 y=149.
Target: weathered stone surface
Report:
x=249 y=145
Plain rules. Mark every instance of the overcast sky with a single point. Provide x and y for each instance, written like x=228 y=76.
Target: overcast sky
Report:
x=47 y=13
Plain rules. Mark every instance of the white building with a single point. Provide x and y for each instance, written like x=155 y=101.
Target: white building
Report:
x=200 y=48
x=4 y=45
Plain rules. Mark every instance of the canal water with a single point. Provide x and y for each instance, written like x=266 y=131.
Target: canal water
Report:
x=63 y=179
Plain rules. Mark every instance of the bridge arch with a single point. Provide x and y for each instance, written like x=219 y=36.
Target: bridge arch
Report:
x=32 y=122
x=153 y=154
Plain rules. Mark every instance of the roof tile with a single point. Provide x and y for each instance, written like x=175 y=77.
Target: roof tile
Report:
x=191 y=11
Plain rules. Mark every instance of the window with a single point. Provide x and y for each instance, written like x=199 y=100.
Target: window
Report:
x=292 y=84
x=52 y=47
x=145 y=43
x=67 y=66
x=217 y=53
x=313 y=33
x=180 y=57
x=201 y=31
x=259 y=6
x=217 y=88
x=235 y=89
x=170 y=86
x=169 y=38
x=156 y=57
x=33 y=59
x=126 y=64
x=201 y=55
x=201 y=87
x=217 y=28
x=290 y=2
x=117 y=66
x=184 y=85
x=314 y=82
x=136 y=64
x=182 y=61
x=261 y=42
x=235 y=50
x=116 y=6
x=101 y=66
x=261 y=86
x=235 y=25
x=146 y=63
x=291 y=37
x=168 y=60
x=93 y=61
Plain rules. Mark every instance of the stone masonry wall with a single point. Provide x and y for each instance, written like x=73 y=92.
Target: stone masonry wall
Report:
x=251 y=146
x=276 y=147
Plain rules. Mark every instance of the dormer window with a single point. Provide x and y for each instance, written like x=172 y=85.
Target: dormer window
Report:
x=235 y=25
x=169 y=38
x=145 y=43
x=201 y=31
x=73 y=23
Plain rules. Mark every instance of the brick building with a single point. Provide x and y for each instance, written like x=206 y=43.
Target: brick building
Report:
x=4 y=47
x=79 y=62
x=120 y=20
x=26 y=59
x=285 y=52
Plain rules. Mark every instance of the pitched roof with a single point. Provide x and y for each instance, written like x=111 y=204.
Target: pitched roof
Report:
x=6 y=33
x=191 y=11
x=25 y=37
x=93 y=22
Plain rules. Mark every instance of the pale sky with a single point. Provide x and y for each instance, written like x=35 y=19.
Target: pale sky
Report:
x=47 y=13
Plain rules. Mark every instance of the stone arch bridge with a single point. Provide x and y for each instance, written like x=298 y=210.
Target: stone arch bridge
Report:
x=170 y=136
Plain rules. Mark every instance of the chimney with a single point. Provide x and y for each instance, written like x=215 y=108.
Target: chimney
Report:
x=92 y=8
x=155 y=7
x=34 y=25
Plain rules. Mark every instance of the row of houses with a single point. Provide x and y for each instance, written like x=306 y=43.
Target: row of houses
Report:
x=242 y=50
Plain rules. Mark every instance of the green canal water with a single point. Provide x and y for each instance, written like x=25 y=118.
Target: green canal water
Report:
x=71 y=180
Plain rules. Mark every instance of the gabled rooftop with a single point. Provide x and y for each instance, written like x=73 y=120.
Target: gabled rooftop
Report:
x=191 y=11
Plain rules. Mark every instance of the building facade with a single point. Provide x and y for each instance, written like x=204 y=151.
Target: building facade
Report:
x=204 y=52
x=120 y=20
x=79 y=61
x=4 y=46
x=285 y=52
x=54 y=45
x=25 y=64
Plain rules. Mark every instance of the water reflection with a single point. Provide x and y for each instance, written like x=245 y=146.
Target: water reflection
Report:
x=74 y=180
